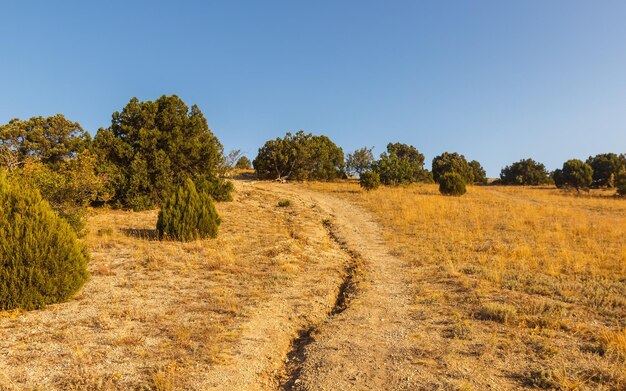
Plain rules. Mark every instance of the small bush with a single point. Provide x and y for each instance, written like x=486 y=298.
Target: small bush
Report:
x=452 y=184
x=284 y=203
x=369 y=180
x=220 y=189
x=188 y=215
x=243 y=163
x=41 y=260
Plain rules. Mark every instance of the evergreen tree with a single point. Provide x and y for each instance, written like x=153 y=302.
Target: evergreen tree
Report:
x=50 y=140
x=359 y=161
x=243 y=163
x=299 y=156
x=605 y=167
x=575 y=173
x=525 y=172
x=188 y=215
x=41 y=260
x=369 y=180
x=452 y=183
x=452 y=163
x=478 y=172
x=151 y=146
x=401 y=164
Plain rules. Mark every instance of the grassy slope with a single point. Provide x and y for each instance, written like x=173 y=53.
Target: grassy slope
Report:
x=531 y=282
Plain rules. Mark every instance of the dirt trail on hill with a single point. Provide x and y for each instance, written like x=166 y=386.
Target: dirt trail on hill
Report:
x=367 y=345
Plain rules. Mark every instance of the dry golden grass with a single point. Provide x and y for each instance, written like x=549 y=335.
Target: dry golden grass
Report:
x=161 y=314
x=541 y=271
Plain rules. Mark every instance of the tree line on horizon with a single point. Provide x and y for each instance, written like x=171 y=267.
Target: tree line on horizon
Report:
x=303 y=156
x=151 y=147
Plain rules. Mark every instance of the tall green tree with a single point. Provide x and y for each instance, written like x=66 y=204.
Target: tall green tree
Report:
x=605 y=167
x=479 y=173
x=52 y=154
x=299 y=156
x=359 y=161
x=50 y=140
x=401 y=164
x=525 y=172
x=452 y=163
x=151 y=147
x=575 y=173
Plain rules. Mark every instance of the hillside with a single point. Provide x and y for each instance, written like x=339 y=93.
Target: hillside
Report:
x=398 y=288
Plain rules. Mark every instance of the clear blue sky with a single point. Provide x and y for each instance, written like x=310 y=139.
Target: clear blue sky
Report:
x=495 y=80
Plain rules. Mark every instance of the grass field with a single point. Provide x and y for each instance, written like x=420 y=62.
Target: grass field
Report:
x=510 y=287
x=159 y=314
x=529 y=276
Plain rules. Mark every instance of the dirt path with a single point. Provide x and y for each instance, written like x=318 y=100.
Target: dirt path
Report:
x=366 y=346
x=352 y=329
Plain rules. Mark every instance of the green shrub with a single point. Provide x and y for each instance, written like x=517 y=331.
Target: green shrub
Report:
x=284 y=203
x=400 y=165
x=68 y=186
x=300 y=156
x=41 y=260
x=454 y=163
x=151 y=147
x=188 y=215
x=574 y=174
x=360 y=161
x=369 y=180
x=525 y=172
x=452 y=183
x=605 y=166
x=620 y=183
x=243 y=163
x=220 y=189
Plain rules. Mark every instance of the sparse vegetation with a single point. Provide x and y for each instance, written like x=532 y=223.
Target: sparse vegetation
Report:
x=527 y=269
x=42 y=261
x=188 y=215
x=517 y=267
